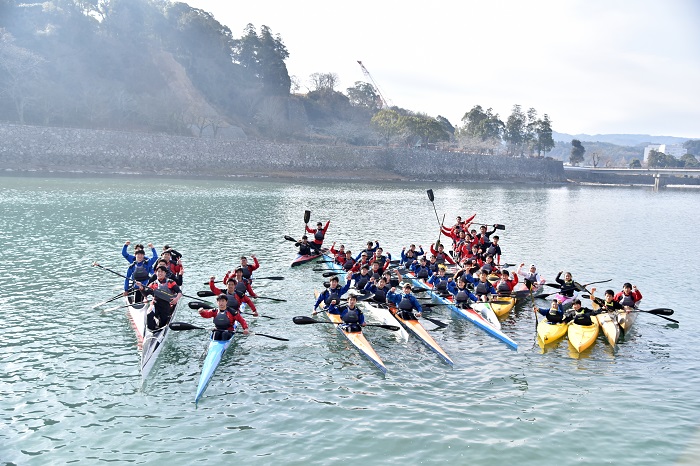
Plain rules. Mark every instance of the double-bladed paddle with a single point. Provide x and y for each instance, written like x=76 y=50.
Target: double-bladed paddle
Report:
x=119 y=295
x=207 y=305
x=209 y=293
x=179 y=326
x=305 y=320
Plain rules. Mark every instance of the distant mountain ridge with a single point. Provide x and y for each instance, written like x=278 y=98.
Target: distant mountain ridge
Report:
x=620 y=139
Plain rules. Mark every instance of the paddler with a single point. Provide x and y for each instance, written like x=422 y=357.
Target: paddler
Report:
x=360 y=279
x=304 y=246
x=363 y=259
x=483 y=288
x=369 y=251
x=139 y=272
x=421 y=268
x=349 y=261
x=504 y=286
x=235 y=291
x=581 y=315
x=333 y=293
x=131 y=259
x=555 y=313
x=406 y=303
x=175 y=267
x=608 y=304
x=242 y=283
x=379 y=288
x=410 y=256
x=494 y=249
x=352 y=316
x=568 y=286
x=248 y=268
x=440 y=280
x=483 y=236
x=441 y=255
x=380 y=259
x=460 y=292
x=531 y=276
x=629 y=296
x=319 y=234
x=167 y=294
x=489 y=265
x=224 y=317
x=339 y=254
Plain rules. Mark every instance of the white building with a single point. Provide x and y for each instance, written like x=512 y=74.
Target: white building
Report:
x=676 y=150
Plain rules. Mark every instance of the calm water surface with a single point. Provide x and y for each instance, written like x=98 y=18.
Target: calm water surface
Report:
x=69 y=380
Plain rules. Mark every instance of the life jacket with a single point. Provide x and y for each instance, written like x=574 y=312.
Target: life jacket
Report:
x=441 y=283
x=503 y=288
x=405 y=304
x=488 y=267
x=627 y=300
x=333 y=294
x=232 y=302
x=362 y=281
x=462 y=295
x=351 y=316
x=162 y=291
x=375 y=275
x=491 y=250
x=381 y=260
x=241 y=287
x=440 y=258
x=531 y=277
x=340 y=258
x=348 y=264
x=433 y=266
x=554 y=311
x=141 y=271
x=318 y=236
x=482 y=288
x=568 y=288
x=422 y=272
x=246 y=272
x=221 y=320
x=305 y=249
x=380 y=294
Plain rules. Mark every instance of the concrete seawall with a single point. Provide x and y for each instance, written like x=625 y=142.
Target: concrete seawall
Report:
x=71 y=150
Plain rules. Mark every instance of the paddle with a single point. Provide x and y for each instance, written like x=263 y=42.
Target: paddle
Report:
x=331 y=274
x=207 y=293
x=305 y=320
x=257 y=278
x=208 y=305
x=431 y=197
x=307 y=217
x=583 y=287
x=119 y=295
x=179 y=326
x=496 y=226
x=289 y=238
x=95 y=264
x=439 y=323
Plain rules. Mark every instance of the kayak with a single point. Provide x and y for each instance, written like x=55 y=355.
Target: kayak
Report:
x=549 y=333
x=487 y=312
x=136 y=312
x=415 y=328
x=583 y=336
x=616 y=324
x=216 y=350
x=503 y=309
x=303 y=259
x=565 y=301
x=357 y=339
x=491 y=325
x=153 y=344
x=520 y=290
x=625 y=319
x=382 y=314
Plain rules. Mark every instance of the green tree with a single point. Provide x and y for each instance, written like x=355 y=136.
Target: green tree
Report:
x=692 y=146
x=263 y=55
x=577 y=151
x=482 y=124
x=388 y=124
x=635 y=163
x=543 y=130
x=514 y=133
x=689 y=161
x=363 y=94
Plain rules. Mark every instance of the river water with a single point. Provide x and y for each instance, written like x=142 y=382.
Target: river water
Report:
x=69 y=378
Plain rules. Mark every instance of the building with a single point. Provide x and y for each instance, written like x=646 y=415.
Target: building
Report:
x=675 y=150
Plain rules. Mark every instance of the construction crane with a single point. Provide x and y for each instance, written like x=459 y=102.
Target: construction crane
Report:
x=366 y=73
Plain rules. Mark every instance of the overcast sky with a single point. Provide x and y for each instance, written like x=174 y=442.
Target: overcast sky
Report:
x=594 y=66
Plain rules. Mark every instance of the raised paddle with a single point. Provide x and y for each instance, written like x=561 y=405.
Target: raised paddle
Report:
x=431 y=197
x=496 y=226
x=179 y=326
x=289 y=238
x=307 y=217
x=259 y=278
x=305 y=320
x=119 y=295
x=207 y=305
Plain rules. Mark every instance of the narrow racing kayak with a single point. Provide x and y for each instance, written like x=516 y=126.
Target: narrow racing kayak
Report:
x=153 y=344
x=415 y=328
x=304 y=259
x=216 y=350
x=357 y=339
x=582 y=336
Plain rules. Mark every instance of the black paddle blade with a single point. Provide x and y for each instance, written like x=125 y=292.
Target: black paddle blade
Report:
x=330 y=274
x=439 y=323
x=269 y=278
x=430 y=195
x=177 y=326
x=307 y=216
x=289 y=238
x=205 y=293
x=305 y=320
x=662 y=311
x=270 y=336
x=279 y=300
x=499 y=227
x=198 y=304
x=393 y=328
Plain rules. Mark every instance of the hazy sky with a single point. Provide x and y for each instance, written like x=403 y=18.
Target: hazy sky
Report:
x=594 y=66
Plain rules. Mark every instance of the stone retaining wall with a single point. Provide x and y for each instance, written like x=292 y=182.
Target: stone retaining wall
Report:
x=97 y=151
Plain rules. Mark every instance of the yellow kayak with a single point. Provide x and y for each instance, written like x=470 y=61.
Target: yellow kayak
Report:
x=583 y=336
x=503 y=309
x=549 y=333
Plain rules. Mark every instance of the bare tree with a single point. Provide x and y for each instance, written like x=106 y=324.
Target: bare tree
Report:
x=20 y=71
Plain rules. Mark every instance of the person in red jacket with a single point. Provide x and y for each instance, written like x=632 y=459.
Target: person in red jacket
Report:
x=235 y=290
x=231 y=314
x=440 y=254
x=319 y=234
x=240 y=278
x=505 y=285
x=167 y=294
x=175 y=267
x=339 y=255
x=629 y=296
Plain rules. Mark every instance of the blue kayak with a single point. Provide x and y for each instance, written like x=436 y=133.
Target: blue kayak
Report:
x=217 y=348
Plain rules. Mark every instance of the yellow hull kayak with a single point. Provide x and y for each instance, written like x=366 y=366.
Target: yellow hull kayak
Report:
x=549 y=333
x=582 y=336
x=503 y=309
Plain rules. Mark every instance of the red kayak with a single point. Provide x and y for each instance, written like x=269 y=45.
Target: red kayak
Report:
x=303 y=259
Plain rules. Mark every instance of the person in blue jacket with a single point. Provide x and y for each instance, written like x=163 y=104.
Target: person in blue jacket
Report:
x=555 y=313
x=353 y=318
x=440 y=280
x=461 y=293
x=131 y=259
x=483 y=288
x=406 y=303
x=421 y=269
x=139 y=271
x=379 y=288
x=332 y=293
